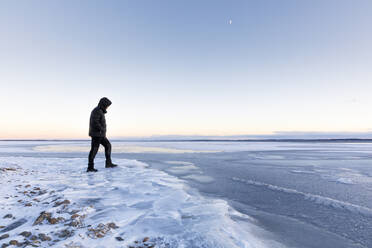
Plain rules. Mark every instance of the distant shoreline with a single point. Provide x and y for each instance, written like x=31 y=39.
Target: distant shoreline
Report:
x=349 y=140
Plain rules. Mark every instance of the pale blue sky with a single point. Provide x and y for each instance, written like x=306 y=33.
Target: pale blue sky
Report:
x=179 y=67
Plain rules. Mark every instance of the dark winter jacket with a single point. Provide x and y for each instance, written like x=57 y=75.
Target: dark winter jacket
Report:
x=97 y=124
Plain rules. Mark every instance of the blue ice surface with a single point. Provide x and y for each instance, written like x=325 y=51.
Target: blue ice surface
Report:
x=307 y=194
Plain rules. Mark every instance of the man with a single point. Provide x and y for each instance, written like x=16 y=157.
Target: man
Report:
x=97 y=130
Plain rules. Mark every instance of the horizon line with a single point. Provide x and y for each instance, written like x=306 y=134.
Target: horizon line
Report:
x=367 y=140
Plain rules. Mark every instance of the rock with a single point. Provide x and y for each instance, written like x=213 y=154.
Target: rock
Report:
x=42 y=192
x=36 y=188
x=43 y=215
x=61 y=219
x=112 y=225
x=65 y=233
x=25 y=234
x=8 y=216
x=28 y=204
x=4 y=245
x=119 y=238
x=145 y=239
x=33 y=237
x=98 y=232
x=65 y=202
x=4 y=236
x=13 y=242
x=74 y=223
x=44 y=237
x=55 y=220
x=2 y=226
x=74 y=216
x=27 y=186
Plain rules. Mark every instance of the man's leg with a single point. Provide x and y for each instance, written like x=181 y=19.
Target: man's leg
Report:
x=106 y=143
x=93 y=151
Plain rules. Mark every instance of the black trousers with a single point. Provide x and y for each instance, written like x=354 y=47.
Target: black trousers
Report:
x=96 y=141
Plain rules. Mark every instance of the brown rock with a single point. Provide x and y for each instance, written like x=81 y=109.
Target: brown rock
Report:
x=74 y=216
x=28 y=204
x=44 y=237
x=43 y=215
x=98 y=232
x=33 y=237
x=145 y=239
x=4 y=236
x=112 y=225
x=65 y=202
x=13 y=242
x=53 y=221
x=25 y=234
x=28 y=185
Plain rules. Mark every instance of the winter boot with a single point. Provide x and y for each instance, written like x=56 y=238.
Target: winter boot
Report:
x=91 y=168
x=109 y=164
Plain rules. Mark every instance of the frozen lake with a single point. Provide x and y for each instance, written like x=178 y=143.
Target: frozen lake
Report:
x=200 y=194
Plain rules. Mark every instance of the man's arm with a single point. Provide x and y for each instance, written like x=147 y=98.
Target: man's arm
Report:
x=96 y=119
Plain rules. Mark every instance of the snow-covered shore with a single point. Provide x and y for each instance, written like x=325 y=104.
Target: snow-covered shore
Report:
x=53 y=202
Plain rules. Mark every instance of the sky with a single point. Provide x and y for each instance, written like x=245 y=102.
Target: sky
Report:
x=185 y=67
